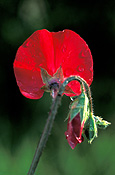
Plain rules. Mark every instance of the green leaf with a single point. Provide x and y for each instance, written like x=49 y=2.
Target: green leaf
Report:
x=92 y=128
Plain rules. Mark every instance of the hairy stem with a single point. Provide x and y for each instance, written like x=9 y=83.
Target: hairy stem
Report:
x=50 y=120
x=45 y=134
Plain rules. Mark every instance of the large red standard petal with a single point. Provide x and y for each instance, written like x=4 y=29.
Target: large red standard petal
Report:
x=50 y=50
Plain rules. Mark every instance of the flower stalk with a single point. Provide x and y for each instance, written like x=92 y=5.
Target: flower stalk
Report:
x=45 y=134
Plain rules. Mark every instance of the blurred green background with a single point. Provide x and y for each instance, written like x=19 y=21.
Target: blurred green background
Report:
x=22 y=120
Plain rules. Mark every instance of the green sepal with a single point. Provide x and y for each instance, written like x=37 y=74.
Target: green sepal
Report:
x=45 y=77
x=92 y=128
x=102 y=124
x=68 y=90
x=58 y=77
x=92 y=124
x=80 y=105
x=74 y=110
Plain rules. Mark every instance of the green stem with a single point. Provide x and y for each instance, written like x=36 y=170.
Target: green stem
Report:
x=45 y=134
x=50 y=120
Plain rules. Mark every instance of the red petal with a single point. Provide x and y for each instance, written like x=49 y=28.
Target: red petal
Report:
x=73 y=54
x=51 y=50
x=29 y=82
x=74 y=131
x=35 y=52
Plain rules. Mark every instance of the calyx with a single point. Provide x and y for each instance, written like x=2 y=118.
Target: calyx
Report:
x=53 y=83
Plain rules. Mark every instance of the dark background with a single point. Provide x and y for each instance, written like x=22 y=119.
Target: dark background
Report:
x=22 y=120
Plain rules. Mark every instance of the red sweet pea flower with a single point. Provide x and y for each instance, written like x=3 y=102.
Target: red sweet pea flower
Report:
x=50 y=50
x=74 y=131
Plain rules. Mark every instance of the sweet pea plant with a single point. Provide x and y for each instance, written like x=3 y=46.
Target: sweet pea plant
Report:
x=59 y=63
